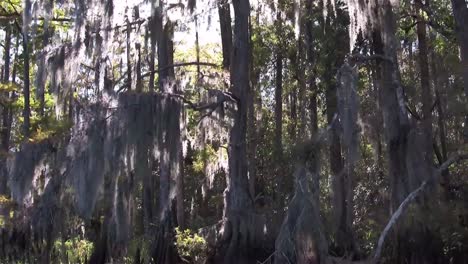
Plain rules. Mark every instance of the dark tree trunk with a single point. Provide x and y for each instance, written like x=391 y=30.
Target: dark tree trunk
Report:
x=224 y=11
x=170 y=142
x=438 y=75
x=251 y=124
x=342 y=229
x=278 y=140
x=26 y=92
x=293 y=113
x=139 y=84
x=5 y=131
x=313 y=91
x=425 y=86
x=239 y=221
x=153 y=24
x=301 y=75
x=26 y=84
x=129 y=57
x=279 y=106
x=407 y=166
x=301 y=238
x=460 y=12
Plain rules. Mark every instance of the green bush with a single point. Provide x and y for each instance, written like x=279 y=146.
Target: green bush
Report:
x=77 y=250
x=191 y=246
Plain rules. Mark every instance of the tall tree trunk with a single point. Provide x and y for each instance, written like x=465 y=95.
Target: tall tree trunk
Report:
x=438 y=74
x=224 y=11
x=278 y=142
x=238 y=217
x=139 y=84
x=400 y=139
x=293 y=113
x=26 y=91
x=278 y=139
x=313 y=91
x=170 y=142
x=152 y=24
x=425 y=85
x=460 y=12
x=337 y=170
x=251 y=123
x=129 y=57
x=5 y=131
x=301 y=71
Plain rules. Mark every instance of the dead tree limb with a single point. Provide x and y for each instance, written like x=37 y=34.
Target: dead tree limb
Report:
x=411 y=197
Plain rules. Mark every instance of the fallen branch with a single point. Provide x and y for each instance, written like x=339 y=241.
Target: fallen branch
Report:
x=411 y=197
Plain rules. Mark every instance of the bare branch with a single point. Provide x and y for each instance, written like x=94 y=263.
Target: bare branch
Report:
x=359 y=58
x=411 y=197
x=226 y=96
x=183 y=64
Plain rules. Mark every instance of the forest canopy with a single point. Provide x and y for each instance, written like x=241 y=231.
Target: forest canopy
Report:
x=233 y=131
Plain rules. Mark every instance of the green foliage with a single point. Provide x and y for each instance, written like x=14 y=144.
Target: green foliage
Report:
x=47 y=128
x=6 y=203
x=191 y=245
x=202 y=157
x=75 y=249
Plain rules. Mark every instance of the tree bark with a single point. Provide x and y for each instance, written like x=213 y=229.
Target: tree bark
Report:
x=239 y=221
x=425 y=86
x=278 y=139
x=251 y=123
x=405 y=164
x=170 y=142
x=129 y=57
x=460 y=12
x=224 y=11
x=293 y=113
x=5 y=131
x=26 y=88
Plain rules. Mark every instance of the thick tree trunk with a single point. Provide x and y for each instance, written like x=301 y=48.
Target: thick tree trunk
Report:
x=407 y=167
x=301 y=238
x=339 y=191
x=170 y=142
x=239 y=221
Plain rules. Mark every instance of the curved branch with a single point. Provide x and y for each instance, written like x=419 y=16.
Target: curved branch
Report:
x=411 y=197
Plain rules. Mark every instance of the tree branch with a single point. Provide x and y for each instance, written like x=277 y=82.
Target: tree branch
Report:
x=359 y=58
x=411 y=197
x=183 y=64
x=226 y=96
